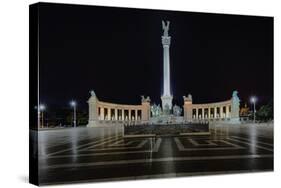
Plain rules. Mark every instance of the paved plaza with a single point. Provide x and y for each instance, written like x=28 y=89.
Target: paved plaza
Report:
x=102 y=154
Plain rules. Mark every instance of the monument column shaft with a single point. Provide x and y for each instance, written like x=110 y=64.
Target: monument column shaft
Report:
x=166 y=97
x=166 y=70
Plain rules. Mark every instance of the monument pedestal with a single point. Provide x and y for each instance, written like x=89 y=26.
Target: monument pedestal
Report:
x=166 y=119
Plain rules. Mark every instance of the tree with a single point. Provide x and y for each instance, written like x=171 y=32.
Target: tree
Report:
x=265 y=112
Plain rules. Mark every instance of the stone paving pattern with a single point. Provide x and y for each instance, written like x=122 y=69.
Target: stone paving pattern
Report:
x=102 y=154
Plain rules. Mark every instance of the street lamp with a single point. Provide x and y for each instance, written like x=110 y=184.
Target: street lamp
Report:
x=73 y=104
x=253 y=101
x=42 y=108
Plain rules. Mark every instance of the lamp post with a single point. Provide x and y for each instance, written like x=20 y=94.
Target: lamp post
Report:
x=42 y=108
x=73 y=104
x=253 y=101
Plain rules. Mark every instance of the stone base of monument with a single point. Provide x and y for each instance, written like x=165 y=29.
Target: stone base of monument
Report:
x=166 y=119
x=166 y=129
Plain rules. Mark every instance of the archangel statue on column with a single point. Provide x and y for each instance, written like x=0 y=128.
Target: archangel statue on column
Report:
x=165 y=27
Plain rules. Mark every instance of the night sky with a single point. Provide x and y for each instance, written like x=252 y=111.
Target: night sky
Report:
x=117 y=52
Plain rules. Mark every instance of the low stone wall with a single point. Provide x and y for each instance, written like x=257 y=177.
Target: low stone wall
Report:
x=263 y=129
x=242 y=125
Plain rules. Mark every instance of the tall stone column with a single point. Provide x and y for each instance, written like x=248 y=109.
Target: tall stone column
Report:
x=93 y=110
x=166 y=97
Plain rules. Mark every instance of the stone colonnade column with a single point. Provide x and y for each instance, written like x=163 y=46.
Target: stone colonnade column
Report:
x=101 y=113
x=227 y=111
x=108 y=113
x=221 y=112
x=116 y=114
x=122 y=114
x=215 y=112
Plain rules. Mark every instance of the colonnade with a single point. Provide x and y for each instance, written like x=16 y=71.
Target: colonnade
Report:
x=211 y=112
x=224 y=110
x=100 y=111
x=105 y=112
x=119 y=114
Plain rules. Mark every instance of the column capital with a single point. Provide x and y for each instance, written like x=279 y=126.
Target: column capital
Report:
x=166 y=41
